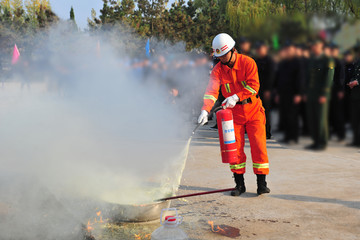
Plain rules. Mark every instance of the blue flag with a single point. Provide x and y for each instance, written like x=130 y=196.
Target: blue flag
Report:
x=147 y=48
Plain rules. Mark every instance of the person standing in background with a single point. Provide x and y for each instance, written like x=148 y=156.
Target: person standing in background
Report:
x=280 y=64
x=245 y=46
x=336 y=118
x=327 y=50
x=354 y=86
x=349 y=62
x=289 y=82
x=266 y=69
x=303 y=54
x=320 y=75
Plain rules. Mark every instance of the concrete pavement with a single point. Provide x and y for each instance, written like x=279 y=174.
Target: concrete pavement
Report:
x=313 y=194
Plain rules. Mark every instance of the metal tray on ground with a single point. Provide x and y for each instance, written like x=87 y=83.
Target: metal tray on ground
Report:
x=136 y=213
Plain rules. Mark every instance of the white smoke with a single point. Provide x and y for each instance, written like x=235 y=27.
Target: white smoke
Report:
x=80 y=125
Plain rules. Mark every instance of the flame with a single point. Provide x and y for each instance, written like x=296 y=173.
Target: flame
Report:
x=215 y=229
x=145 y=237
x=97 y=219
x=212 y=225
x=89 y=226
x=220 y=230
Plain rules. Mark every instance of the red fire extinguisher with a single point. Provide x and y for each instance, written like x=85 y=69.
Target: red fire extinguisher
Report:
x=227 y=136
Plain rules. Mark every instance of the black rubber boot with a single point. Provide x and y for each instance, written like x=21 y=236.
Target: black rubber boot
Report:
x=240 y=185
x=261 y=183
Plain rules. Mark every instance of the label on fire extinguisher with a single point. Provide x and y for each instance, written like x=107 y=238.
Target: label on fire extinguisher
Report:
x=228 y=131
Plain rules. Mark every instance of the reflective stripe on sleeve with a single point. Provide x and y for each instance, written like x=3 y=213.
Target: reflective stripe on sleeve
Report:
x=247 y=87
x=210 y=97
x=227 y=87
x=238 y=166
x=260 y=165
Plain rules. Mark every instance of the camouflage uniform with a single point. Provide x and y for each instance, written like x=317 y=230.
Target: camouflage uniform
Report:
x=320 y=78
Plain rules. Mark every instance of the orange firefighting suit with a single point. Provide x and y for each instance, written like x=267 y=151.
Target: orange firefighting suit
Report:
x=243 y=80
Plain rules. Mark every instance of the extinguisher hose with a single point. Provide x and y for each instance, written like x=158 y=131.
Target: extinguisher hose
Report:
x=195 y=194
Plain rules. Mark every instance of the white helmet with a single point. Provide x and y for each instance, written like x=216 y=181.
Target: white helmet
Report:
x=222 y=44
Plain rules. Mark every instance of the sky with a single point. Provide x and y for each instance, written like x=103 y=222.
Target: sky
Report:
x=82 y=9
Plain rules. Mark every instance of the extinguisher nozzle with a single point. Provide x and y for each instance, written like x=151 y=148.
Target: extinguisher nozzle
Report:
x=197 y=126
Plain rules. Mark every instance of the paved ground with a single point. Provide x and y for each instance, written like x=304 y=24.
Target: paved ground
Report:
x=314 y=195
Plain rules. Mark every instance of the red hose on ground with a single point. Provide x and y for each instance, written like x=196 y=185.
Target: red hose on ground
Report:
x=196 y=194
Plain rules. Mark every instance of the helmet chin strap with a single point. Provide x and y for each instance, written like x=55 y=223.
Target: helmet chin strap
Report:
x=228 y=62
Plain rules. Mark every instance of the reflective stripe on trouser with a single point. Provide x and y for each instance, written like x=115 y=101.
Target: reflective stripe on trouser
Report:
x=257 y=137
x=238 y=166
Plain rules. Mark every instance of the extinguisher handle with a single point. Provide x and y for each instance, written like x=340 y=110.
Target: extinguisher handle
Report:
x=217 y=109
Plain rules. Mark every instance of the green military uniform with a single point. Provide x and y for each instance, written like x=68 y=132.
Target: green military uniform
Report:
x=320 y=78
x=355 y=106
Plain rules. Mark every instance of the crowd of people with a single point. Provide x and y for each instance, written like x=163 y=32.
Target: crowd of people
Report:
x=313 y=85
x=182 y=77
x=179 y=76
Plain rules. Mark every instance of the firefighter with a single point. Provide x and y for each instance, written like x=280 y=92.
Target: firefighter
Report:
x=320 y=78
x=238 y=78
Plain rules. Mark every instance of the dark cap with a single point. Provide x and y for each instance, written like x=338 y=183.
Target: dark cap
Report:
x=243 y=40
x=302 y=46
x=348 y=52
x=288 y=43
x=333 y=45
x=327 y=45
x=259 y=44
x=316 y=41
